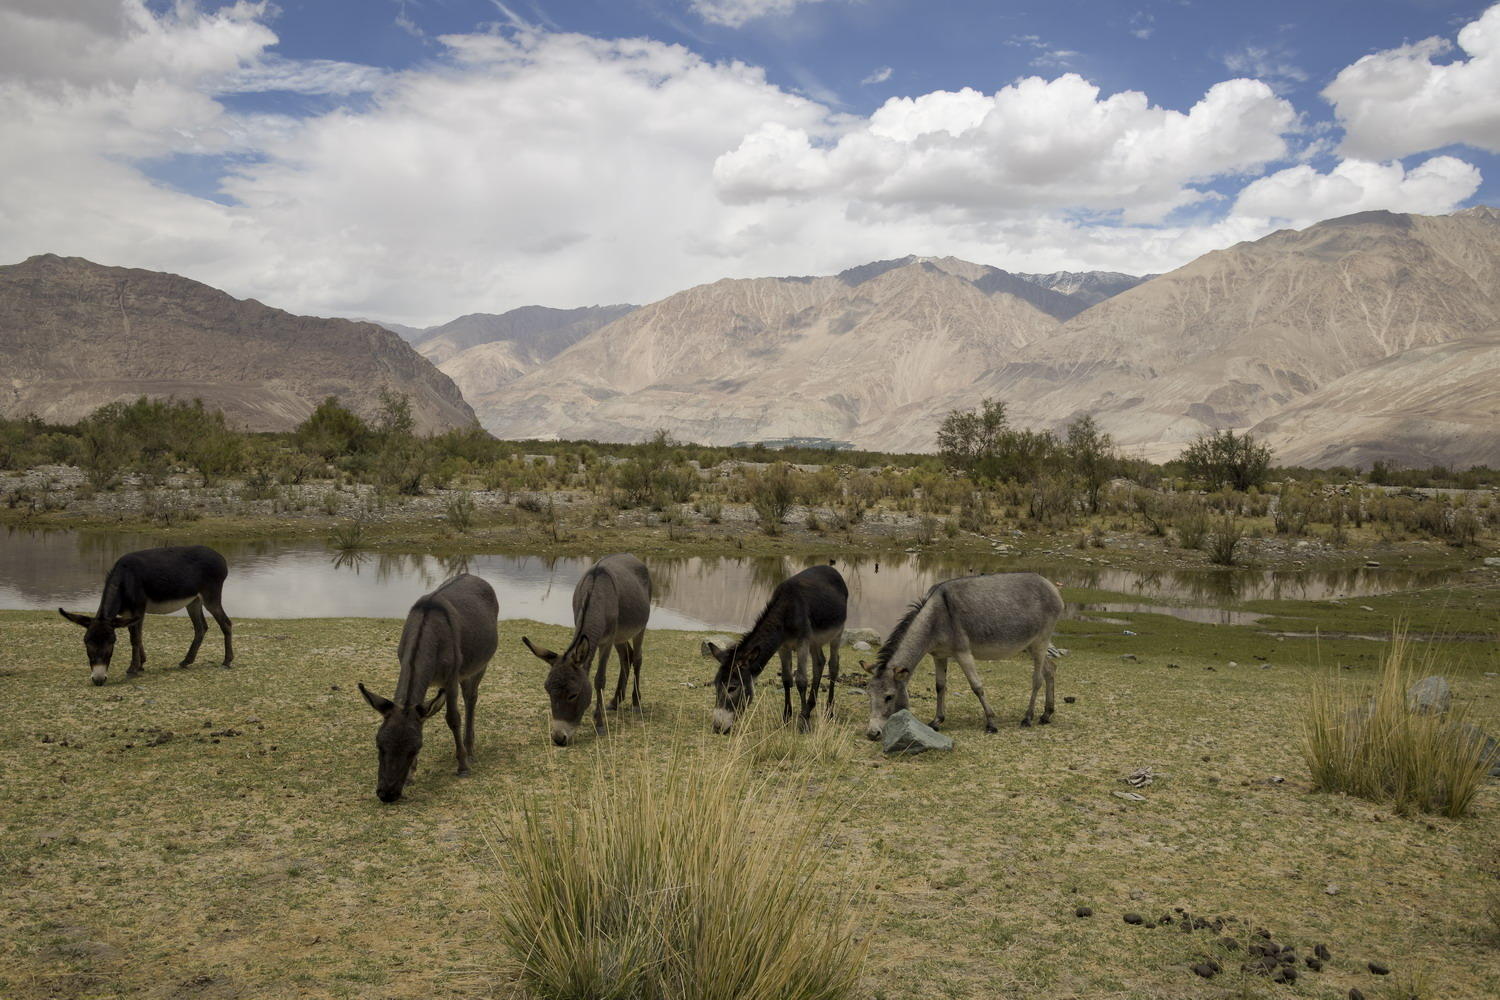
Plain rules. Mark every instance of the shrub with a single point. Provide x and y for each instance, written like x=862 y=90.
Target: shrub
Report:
x=459 y=511
x=1192 y=526
x=689 y=879
x=1222 y=458
x=1371 y=745
x=1226 y=539
x=771 y=495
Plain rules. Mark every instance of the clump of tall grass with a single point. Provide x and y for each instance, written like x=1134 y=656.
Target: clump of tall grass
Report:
x=692 y=878
x=348 y=536
x=1370 y=744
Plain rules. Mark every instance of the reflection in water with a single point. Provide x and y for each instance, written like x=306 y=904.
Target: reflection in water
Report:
x=295 y=579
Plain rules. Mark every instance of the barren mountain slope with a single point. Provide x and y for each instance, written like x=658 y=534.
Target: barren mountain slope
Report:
x=1238 y=334
x=536 y=332
x=75 y=335
x=1438 y=404
x=894 y=344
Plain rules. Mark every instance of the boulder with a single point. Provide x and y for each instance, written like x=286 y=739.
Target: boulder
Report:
x=722 y=641
x=853 y=635
x=862 y=647
x=1429 y=695
x=904 y=733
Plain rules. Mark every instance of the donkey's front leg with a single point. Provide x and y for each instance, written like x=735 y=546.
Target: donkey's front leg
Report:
x=833 y=670
x=966 y=661
x=137 y=649
x=599 y=688
x=455 y=723
x=940 y=685
x=802 y=682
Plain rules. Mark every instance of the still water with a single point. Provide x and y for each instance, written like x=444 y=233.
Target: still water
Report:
x=271 y=578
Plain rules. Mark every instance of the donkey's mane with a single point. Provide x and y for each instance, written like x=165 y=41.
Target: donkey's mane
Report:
x=893 y=641
x=579 y=636
x=760 y=620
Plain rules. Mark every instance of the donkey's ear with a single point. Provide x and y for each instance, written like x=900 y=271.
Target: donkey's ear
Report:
x=125 y=621
x=866 y=667
x=436 y=702
x=379 y=704
x=76 y=618
x=718 y=654
x=538 y=651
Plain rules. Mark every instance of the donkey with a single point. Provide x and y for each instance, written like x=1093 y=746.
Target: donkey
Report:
x=989 y=617
x=806 y=612
x=449 y=637
x=611 y=605
x=155 y=581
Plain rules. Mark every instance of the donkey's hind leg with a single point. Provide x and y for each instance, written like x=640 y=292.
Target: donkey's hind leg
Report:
x=213 y=601
x=1049 y=674
x=833 y=670
x=635 y=662
x=1036 y=685
x=200 y=629
x=622 y=649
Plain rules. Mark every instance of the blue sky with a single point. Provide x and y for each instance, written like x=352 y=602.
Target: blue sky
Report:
x=416 y=159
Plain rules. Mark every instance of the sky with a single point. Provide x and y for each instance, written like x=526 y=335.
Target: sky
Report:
x=415 y=160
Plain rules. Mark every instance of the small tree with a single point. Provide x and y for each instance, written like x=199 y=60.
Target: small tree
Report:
x=1222 y=457
x=967 y=436
x=1091 y=453
x=332 y=430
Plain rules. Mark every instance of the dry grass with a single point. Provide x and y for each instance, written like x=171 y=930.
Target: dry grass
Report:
x=213 y=866
x=1363 y=740
x=689 y=878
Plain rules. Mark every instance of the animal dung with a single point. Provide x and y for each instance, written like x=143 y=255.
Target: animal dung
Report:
x=1379 y=970
x=1069 y=699
x=1083 y=911
x=1134 y=918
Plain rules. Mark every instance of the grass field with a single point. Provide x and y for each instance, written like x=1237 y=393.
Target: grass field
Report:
x=210 y=833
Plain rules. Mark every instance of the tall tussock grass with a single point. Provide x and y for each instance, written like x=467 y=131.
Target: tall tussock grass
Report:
x=1369 y=743
x=691 y=877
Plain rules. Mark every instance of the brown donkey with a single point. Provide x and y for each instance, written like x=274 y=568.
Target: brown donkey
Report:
x=447 y=643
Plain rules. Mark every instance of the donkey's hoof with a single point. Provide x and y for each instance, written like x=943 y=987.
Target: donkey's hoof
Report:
x=1026 y=721
x=463 y=772
x=227 y=664
x=935 y=724
x=990 y=727
x=599 y=729
x=1045 y=720
x=135 y=671
x=185 y=664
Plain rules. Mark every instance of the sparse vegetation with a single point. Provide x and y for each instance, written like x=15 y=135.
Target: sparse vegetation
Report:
x=696 y=878
x=1367 y=741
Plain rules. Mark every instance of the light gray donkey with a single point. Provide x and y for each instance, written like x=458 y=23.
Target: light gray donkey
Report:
x=448 y=640
x=611 y=605
x=972 y=617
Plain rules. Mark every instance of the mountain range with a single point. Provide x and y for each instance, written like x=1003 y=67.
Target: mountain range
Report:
x=75 y=335
x=1372 y=336
x=1273 y=335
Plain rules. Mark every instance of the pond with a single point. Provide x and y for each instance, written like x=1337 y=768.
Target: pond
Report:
x=297 y=578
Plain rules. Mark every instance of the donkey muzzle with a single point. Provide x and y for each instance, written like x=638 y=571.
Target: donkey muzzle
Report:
x=388 y=795
x=723 y=721
x=98 y=675
x=562 y=733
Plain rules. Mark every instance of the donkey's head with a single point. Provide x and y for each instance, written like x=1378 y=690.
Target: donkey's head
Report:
x=567 y=685
x=398 y=739
x=99 y=639
x=887 y=690
x=734 y=683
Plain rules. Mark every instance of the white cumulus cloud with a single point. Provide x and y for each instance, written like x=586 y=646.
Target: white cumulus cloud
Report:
x=1035 y=144
x=1402 y=101
x=1300 y=195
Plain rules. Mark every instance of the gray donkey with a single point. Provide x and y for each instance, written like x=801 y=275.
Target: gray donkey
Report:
x=806 y=612
x=448 y=640
x=986 y=617
x=611 y=605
